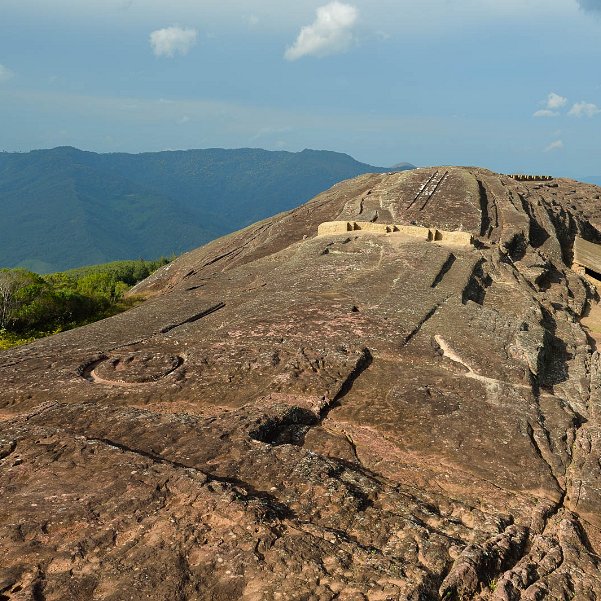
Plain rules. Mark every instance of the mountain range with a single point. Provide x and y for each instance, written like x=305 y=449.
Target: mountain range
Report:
x=64 y=207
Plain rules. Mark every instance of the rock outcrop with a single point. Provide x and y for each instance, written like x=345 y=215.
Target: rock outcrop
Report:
x=353 y=416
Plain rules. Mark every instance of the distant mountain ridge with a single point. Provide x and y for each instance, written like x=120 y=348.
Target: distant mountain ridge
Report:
x=64 y=207
x=403 y=167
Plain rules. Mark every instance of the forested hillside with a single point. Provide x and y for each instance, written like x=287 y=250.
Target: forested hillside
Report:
x=64 y=207
x=33 y=305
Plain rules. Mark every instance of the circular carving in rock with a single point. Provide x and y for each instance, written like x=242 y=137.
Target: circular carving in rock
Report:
x=136 y=367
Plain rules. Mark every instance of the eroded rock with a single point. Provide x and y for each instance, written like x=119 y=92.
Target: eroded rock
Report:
x=355 y=415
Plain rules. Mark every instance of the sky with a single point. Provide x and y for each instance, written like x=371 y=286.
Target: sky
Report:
x=514 y=86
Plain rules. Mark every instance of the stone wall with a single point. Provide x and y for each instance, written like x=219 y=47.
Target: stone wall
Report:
x=587 y=258
x=520 y=177
x=425 y=234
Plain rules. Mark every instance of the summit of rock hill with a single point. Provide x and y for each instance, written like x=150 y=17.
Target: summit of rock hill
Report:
x=374 y=413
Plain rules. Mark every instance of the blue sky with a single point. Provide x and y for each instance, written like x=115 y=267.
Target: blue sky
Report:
x=512 y=85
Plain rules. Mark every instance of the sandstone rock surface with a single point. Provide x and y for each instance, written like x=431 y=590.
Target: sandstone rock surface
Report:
x=354 y=416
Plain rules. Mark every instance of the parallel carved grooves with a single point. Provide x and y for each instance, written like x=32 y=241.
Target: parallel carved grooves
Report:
x=421 y=191
x=436 y=187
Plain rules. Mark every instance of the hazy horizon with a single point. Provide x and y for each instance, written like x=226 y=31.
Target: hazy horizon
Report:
x=511 y=87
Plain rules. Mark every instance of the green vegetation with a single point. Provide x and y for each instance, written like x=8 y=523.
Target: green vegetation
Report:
x=33 y=306
x=63 y=208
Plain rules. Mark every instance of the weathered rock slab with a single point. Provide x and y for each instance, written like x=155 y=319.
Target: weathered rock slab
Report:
x=357 y=415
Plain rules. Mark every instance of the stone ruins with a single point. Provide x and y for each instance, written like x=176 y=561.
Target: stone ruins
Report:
x=426 y=234
x=520 y=177
x=587 y=260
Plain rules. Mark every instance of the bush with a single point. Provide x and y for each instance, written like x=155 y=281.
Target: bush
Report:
x=32 y=306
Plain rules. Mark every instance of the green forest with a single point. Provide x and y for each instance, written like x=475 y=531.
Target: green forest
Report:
x=63 y=208
x=33 y=305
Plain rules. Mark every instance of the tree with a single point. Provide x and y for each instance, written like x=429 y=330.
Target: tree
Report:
x=32 y=305
x=11 y=281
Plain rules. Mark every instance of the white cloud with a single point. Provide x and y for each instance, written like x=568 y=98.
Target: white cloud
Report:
x=330 y=33
x=556 y=145
x=546 y=113
x=5 y=73
x=584 y=109
x=555 y=101
x=172 y=40
x=552 y=104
